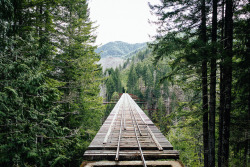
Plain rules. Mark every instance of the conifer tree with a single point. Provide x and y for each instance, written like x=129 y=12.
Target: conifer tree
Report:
x=49 y=82
x=212 y=104
x=132 y=83
x=180 y=45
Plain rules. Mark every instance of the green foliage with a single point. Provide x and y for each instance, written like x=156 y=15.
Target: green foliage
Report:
x=132 y=83
x=181 y=48
x=189 y=142
x=113 y=83
x=161 y=117
x=49 y=102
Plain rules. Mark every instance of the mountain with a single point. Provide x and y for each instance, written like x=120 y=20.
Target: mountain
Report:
x=118 y=49
x=111 y=62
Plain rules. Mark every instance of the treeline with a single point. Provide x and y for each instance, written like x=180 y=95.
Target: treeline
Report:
x=206 y=44
x=49 y=82
x=118 y=49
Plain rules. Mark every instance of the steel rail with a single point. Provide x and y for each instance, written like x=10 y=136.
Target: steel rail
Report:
x=137 y=124
x=137 y=139
x=151 y=133
x=119 y=139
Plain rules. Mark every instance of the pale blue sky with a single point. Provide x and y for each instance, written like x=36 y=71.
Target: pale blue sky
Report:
x=122 y=20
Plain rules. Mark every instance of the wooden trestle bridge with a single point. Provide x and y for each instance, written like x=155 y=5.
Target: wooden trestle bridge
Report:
x=129 y=138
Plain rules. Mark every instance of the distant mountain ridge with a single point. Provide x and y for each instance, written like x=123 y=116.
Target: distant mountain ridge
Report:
x=119 y=49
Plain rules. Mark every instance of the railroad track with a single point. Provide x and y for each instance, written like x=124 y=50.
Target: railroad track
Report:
x=134 y=115
x=134 y=121
x=128 y=134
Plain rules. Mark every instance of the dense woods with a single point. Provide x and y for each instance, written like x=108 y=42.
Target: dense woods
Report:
x=193 y=81
x=207 y=33
x=49 y=104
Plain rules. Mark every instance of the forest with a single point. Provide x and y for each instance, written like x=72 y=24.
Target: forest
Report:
x=194 y=80
x=50 y=107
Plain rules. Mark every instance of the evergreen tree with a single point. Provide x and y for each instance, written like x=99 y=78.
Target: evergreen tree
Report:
x=189 y=52
x=212 y=104
x=113 y=82
x=49 y=83
x=132 y=83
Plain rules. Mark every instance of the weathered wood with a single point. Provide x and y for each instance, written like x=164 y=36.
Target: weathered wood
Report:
x=132 y=152
x=127 y=134
x=150 y=132
x=129 y=156
x=139 y=146
x=131 y=164
x=111 y=125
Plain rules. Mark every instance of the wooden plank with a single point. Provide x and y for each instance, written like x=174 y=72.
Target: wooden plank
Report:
x=139 y=146
x=129 y=157
x=151 y=133
x=117 y=106
x=116 y=139
x=131 y=164
x=155 y=140
x=132 y=152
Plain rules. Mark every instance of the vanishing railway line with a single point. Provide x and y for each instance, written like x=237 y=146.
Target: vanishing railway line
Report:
x=128 y=134
x=137 y=138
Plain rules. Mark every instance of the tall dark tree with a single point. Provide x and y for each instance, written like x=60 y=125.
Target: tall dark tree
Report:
x=222 y=89
x=212 y=105
x=196 y=19
x=227 y=70
x=232 y=56
x=204 y=84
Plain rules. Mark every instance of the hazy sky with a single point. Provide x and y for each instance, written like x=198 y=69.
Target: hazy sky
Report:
x=122 y=20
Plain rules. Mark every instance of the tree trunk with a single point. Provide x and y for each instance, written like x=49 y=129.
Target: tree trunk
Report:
x=205 y=112
x=227 y=69
x=204 y=85
x=247 y=59
x=212 y=107
x=221 y=108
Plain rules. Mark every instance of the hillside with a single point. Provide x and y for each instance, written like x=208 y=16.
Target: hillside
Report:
x=118 y=49
x=111 y=62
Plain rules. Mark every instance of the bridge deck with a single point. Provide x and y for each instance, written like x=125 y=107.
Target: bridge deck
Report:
x=128 y=134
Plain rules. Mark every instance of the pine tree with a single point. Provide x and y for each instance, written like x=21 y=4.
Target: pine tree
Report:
x=212 y=104
x=27 y=97
x=49 y=82
x=132 y=83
